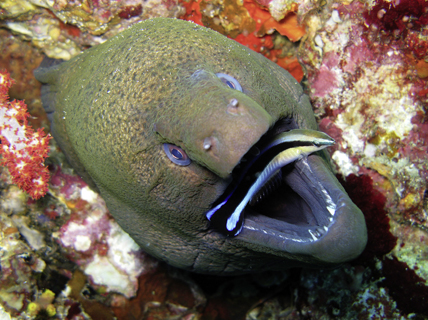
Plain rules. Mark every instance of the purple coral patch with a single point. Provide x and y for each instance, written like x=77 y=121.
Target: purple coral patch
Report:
x=325 y=82
x=357 y=54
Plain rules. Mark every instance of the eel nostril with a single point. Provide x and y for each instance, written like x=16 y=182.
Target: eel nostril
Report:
x=232 y=107
x=209 y=143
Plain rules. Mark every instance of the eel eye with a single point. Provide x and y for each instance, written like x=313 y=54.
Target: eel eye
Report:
x=176 y=154
x=229 y=81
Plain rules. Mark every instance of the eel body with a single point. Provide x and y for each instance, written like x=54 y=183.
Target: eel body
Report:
x=168 y=119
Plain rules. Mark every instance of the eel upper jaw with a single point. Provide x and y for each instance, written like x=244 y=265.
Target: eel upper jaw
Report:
x=316 y=220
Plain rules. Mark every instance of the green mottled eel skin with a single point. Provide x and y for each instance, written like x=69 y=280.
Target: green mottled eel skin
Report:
x=166 y=82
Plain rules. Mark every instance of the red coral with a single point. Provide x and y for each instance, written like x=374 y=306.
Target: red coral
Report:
x=71 y=30
x=23 y=150
x=416 y=45
x=131 y=11
x=398 y=15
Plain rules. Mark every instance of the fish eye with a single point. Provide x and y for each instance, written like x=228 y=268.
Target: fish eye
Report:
x=229 y=81
x=176 y=154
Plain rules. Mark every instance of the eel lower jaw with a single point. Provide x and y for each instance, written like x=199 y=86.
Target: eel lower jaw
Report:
x=310 y=216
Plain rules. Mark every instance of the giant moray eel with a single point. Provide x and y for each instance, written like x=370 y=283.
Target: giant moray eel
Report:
x=205 y=152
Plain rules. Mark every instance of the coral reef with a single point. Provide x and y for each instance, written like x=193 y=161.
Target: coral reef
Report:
x=72 y=228
x=61 y=29
x=253 y=26
x=90 y=238
x=368 y=88
x=372 y=101
x=365 y=68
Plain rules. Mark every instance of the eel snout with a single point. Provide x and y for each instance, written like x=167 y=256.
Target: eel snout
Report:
x=346 y=236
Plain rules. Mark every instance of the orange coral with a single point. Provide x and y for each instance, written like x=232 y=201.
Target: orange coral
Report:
x=289 y=27
x=193 y=12
x=422 y=69
x=265 y=23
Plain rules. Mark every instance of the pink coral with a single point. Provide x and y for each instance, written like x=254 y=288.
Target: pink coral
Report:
x=23 y=149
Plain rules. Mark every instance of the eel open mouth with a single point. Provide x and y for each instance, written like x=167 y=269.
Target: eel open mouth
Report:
x=284 y=195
